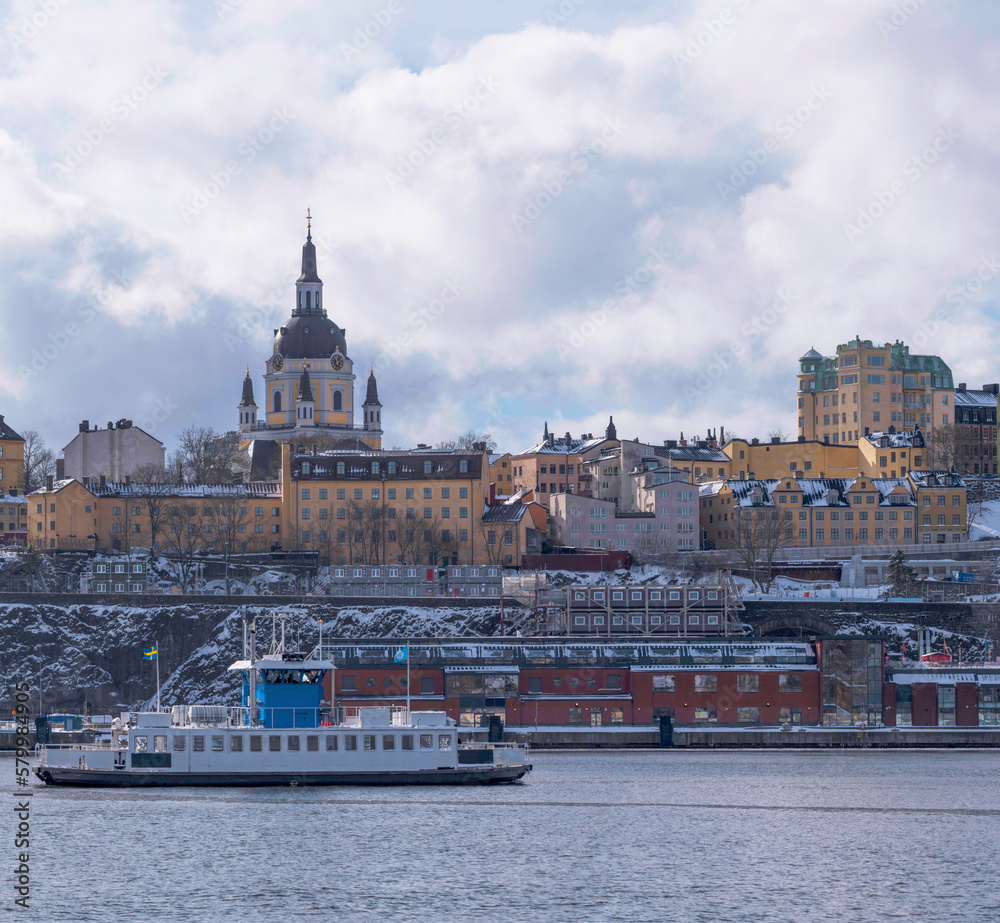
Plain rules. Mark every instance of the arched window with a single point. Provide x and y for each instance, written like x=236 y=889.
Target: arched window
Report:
x=300 y=300
x=309 y=301
x=338 y=400
x=277 y=402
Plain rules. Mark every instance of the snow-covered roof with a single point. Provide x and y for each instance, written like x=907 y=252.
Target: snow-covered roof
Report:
x=975 y=398
x=11 y=498
x=114 y=489
x=940 y=478
x=946 y=679
x=563 y=447
x=896 y=440
x=817 y=492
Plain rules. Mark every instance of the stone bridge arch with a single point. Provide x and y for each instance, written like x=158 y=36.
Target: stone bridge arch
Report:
x=794 y=626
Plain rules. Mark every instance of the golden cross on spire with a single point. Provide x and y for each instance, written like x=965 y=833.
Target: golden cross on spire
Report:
x=308 y=219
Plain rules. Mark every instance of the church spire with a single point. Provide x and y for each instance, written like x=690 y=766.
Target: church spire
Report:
x=309 y=255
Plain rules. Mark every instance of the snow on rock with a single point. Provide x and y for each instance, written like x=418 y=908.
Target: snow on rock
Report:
x=93 y=653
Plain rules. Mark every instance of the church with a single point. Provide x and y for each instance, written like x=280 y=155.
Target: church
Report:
x=309 y=377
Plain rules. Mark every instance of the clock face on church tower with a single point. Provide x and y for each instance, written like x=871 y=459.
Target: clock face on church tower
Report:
x=277 y=362
x=337 y=362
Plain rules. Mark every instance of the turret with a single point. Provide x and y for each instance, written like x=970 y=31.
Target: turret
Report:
x=309 y=286
x=248 y=406
x=372 y=407
x=305 y=406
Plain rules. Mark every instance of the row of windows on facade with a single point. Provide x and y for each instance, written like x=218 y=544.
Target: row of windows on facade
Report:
x=745 y=714
x=988 y=705
x=638 y=620
x=391 y=468
x=338 y=404
x=390 y=493
x=637 y=595
x=745 y=682
x=601 y=512
x=390 y=513
x=377 y=572
x=392 y=536
x=293 y=742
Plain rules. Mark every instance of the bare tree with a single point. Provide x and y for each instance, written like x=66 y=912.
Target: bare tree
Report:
x=184 y=535
x=39 y=462
x=778 y=433
x=468 y=441
x=950 y=447
x=436 y=540
x=152 y=484
x=760 y=531
x=492 y=535
x=206 y=457
x=654 y=550
x=125 y=531
x=364 y=531
x=231 y=522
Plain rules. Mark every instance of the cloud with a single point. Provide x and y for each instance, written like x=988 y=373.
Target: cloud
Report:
x=529 y=162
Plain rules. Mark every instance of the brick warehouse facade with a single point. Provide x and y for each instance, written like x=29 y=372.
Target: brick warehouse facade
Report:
x=575 y=682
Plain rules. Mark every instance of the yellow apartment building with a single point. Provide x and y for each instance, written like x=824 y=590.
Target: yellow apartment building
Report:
x=11 y=458
x=871 y=386
x=415 y=507
x=922 y=508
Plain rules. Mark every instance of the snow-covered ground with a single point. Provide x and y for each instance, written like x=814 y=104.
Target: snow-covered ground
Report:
x=987 y=524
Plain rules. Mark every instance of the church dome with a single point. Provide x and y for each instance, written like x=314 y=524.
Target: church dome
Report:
x=309 y=336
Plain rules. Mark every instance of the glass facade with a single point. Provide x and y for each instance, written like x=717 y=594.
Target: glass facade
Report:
x=946 y=706
x=989 y=706
x=852 y=683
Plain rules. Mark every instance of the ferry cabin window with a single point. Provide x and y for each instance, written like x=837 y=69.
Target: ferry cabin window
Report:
x=312 y=742
x=199 y=742
x=388 y=742
x=426 y=741
x=293 y=741
x=369 y=741
x=180 y=742
x=141 y=744
x=217 y=742
x=255 y=742
x=444 y=741
x=351 y=742
x=331 y=742
x=407 y=741
x=236 y=743
x=274 y=742
x=160 y=743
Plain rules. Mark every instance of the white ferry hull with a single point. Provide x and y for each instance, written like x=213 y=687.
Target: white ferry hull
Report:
x=97 y=778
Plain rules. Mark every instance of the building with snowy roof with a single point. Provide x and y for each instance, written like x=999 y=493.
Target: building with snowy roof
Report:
x=925 y=507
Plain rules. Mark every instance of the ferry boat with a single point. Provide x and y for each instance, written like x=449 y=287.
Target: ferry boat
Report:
x=282 y=734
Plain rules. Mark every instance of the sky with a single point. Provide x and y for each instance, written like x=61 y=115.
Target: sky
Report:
x=525 y=212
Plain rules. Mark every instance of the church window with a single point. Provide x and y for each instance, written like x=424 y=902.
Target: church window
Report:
x=338 y=401
x=309 y=301
x=277 y=402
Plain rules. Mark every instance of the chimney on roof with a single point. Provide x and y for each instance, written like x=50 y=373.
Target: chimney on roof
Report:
x=104 y=481
x=867 y=431
x=48 y=482
x=13 y=491
x=892 y=430
x=992 y=389
x=702 y=443
x=111 y=425
x=86 y=480
x=961 y=386
x=569 y=438
x=755 y=441
x=722 y=435
x=802 y=439
x=60 y=468
x=314 y=448
x=670 y=443
x=776 y=440
x=128 y=479
x=85 y=426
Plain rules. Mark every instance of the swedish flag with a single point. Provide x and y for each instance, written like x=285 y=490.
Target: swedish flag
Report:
x=150 y=653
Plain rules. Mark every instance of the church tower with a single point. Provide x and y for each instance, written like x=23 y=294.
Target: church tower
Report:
x=247 y=406
x=309 y=379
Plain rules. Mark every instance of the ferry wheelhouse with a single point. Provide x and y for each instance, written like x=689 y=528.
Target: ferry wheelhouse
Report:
x=282 y=734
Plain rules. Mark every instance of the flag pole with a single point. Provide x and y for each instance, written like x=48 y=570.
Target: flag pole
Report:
x=408 y=682
x=156 y=648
